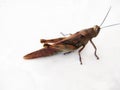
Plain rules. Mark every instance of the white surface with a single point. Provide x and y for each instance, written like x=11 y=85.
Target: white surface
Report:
x=24 y=22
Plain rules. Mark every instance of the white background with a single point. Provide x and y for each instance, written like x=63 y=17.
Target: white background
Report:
x=24 y=22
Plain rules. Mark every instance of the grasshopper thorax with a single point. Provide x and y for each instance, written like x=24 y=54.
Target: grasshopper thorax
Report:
x=96 y=29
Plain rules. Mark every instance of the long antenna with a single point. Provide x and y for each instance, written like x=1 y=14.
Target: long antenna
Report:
x=110 y=25
x=105 y=16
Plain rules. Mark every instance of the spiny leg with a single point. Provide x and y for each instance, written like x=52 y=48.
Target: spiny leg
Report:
x=94 y=48
x=80 y=55
x=51 y=40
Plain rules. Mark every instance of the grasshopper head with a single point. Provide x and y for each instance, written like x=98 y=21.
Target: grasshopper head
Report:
x=96 y=29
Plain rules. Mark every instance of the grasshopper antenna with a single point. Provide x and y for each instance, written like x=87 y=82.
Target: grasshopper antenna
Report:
x=105 y=16
x=110 y=25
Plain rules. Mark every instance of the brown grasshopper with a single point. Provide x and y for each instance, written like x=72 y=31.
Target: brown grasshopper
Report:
x=70 y=43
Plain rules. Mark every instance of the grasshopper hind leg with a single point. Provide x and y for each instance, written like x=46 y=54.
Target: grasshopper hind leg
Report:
x=46 y=45
x=65 y=34
x=51 y=40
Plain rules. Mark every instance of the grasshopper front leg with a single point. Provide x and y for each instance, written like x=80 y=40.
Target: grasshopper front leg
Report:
x=80 y=54
x=95 y=49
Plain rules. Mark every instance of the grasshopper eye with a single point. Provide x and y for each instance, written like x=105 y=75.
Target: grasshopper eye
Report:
x=96 y=28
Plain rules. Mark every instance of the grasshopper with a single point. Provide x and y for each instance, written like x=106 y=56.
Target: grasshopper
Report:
x=68 y=44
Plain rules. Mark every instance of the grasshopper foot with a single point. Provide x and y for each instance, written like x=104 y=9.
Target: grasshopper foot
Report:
x=67 y=52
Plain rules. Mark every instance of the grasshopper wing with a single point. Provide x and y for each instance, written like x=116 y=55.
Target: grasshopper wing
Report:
x=42 y=53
